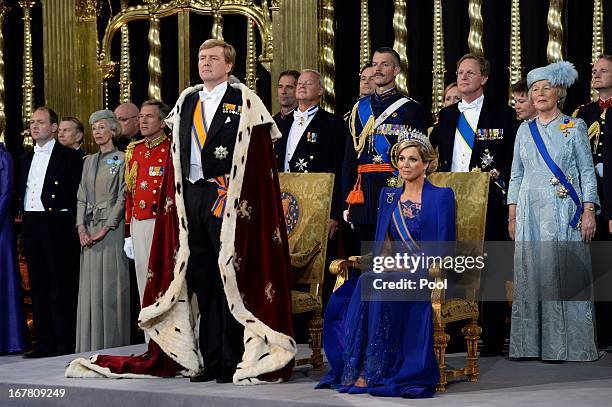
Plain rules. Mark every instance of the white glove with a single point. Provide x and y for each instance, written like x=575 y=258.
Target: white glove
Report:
x=599 y=170
x=128 y=247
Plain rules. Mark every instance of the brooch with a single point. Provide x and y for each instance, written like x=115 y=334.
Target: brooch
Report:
x=487 y=159
x=230 y=108
x=301 y=165
x=562 y=192
x=311 y=137
x=494 y=174
x=565 y=126
x=220 y=152
x=114 y=163
x=394 y=182
x=142 y=204
x=144 y=185
x=377 y=159
x=390 y=196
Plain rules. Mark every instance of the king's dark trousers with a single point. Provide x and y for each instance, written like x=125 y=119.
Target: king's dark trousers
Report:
x=221 y=335
x=52 y=255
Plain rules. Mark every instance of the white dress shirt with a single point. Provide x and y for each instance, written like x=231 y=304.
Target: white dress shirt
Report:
x=301 y=120
x=36 y=177
x=211 y=101
x=462 y=153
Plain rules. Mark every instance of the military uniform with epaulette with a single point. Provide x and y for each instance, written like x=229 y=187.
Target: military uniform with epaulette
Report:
x=598 y=118
x=146 y=162
x=376 y=123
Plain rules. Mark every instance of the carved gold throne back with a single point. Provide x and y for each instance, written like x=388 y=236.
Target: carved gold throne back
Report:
x=307 y=203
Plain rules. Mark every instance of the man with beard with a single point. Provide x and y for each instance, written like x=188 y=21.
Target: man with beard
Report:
x=376 y=122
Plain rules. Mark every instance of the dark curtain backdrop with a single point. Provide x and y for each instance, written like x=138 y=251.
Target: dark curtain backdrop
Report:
x=578 y=17
x=496 y=17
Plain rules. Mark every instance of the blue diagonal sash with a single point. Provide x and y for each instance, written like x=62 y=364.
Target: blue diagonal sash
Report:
x=364 y=108
x=466 y=131
x=401 y=227
x=554 y=168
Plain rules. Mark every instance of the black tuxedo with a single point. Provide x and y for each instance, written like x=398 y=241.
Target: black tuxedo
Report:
x=443 y=137
x=320 y=149
x=220 y=134
x=52 y=250
x=283 y=120
x=220 y=333
x=501 y=149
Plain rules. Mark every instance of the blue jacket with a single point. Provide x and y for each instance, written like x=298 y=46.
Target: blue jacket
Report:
x=437 y=213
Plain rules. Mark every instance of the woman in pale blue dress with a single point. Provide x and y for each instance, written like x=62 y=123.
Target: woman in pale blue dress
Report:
x=552 y=199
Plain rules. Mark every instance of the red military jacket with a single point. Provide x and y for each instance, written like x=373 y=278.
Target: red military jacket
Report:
x=146 y=164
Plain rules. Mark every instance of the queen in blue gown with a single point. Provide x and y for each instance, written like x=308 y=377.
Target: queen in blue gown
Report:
x=13 y=332
x=385 y=348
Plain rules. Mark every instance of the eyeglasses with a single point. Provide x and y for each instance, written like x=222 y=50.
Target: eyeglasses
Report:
x=125 y=119
x=469 y=74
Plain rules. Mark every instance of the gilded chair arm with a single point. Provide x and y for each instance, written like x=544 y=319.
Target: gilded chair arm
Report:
x=340 y=268
x=435 y=271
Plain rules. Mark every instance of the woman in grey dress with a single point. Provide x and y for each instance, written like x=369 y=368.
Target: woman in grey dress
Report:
x=552 y=199
x=103 y=315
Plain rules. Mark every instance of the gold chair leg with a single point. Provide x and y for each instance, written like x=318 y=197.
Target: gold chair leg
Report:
x=315 y=330
x=471 y=333
x=441 y=339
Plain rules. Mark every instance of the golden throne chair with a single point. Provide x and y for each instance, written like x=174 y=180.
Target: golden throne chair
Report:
x=306 y=199
x=471 y=193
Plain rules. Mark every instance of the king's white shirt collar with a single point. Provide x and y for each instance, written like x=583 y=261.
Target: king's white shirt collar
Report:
x=215 y=94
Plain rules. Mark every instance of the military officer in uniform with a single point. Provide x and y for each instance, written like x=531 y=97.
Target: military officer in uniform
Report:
x=376 y=122
x=476 y=135
x=597 y=116
x=146 y=159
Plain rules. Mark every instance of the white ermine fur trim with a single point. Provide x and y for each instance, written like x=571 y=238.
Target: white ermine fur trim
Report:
x=279 y=347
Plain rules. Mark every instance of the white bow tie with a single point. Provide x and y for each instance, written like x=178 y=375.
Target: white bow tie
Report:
x=467 y=106
x=302 y=117
x=38 y=149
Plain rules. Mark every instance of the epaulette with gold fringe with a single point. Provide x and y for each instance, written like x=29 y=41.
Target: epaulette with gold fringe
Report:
x=131 y=172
